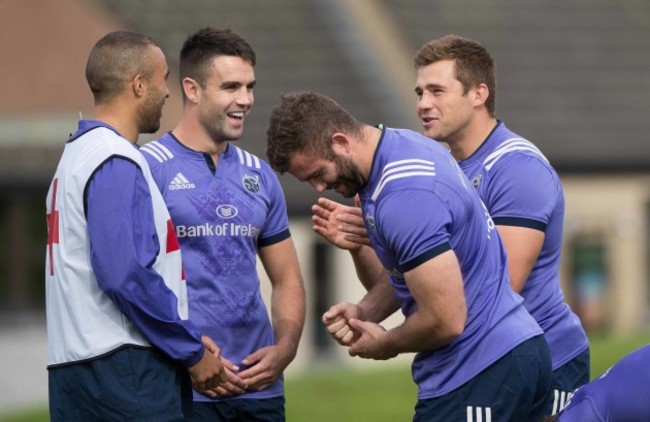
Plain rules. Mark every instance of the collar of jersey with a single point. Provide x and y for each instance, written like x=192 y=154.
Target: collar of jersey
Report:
x=483 y=148
x=183 y=149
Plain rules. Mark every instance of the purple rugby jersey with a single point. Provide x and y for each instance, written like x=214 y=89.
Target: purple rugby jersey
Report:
x=222 y=215
x=520 y=188
x=418 y=204
x=622 y=393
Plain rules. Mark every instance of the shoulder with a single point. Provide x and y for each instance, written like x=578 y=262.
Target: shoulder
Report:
x=404 y=174
x=247 y=159
x=518 y=158
x=513 y=148
x=102 y=138
x=99 y=145
x=157 y=152
x=251 y=163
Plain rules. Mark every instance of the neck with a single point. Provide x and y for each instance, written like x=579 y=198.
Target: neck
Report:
x=120 y=118
x=368 y=144
x=469 y=139
x=194 y=136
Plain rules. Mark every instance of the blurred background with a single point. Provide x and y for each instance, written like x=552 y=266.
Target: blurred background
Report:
x=573 y=77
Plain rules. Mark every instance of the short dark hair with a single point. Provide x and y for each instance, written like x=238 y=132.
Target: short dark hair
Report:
x=201 y=47
x=114 y=60
x=474 y=65
x=305 y=122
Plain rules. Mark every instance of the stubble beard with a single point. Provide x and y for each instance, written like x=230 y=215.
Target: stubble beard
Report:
x=349 y=177
x=218 y=131
x=150 y=113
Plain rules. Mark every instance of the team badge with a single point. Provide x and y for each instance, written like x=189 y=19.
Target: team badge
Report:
x=227 y=211
x=251 y=183
x=476 y=181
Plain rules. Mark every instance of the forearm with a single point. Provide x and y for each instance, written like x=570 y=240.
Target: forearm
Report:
x=288 y=315
x=420 y=333
x=380 y=302
x=370 y=270
x=440 y=313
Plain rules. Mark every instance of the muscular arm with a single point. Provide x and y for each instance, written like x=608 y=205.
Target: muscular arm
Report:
x=523 y=246
x=440 y=317
x=288 y=295
x=287 y=313
x=342 y=226
x=523 y=196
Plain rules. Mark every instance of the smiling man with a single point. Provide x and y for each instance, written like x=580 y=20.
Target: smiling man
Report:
x=456 y=92
x=119 y=340
x=229 y=207
x=442 y=261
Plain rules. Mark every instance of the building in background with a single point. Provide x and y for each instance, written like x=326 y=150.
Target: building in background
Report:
x=574 y=78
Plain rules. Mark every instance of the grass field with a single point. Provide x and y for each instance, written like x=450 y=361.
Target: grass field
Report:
x=378 y=396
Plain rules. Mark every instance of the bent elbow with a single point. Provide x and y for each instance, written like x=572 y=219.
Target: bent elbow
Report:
x=456 y=326
x=455 y=330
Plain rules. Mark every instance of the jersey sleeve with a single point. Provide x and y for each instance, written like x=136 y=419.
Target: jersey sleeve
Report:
x=123 y=247
x=276 y=227
x=523 y=192
x=414 y=224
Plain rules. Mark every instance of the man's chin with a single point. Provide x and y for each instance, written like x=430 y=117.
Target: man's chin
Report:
x=346 y=193
x=151 y=129
x=236 y=134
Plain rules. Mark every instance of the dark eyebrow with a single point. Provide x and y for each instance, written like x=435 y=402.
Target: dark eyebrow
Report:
x=236 y=84
x=230 y=84
x=429 y=87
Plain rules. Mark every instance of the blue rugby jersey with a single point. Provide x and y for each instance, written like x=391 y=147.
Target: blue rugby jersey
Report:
x=418 y=204
x=622 y=393
x=222 y=215
x=520 y=188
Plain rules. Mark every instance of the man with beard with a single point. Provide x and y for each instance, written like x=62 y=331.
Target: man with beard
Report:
x=456 y=90
x=229 y=208
x=442 y=262
x=119 y=342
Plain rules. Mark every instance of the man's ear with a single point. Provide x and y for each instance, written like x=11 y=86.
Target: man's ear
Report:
x=481 y=94
x=191 y=90
x=138 y=85
x=340 y=143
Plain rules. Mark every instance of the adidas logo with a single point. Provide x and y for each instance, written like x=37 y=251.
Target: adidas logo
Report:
x=180 y=182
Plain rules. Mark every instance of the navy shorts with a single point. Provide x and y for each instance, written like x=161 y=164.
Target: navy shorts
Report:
x=566 y=379
x=131 y=384
x=240 y=410
x=514 y=388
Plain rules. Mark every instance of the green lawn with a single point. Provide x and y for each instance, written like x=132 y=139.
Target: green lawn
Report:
x=344 y=395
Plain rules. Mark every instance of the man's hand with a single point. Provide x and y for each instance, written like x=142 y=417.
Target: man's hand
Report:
x=235 y=385
x=209 y=372
x=370 y=343
x=336 y=321
x=264 y=367
x=340 y=224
